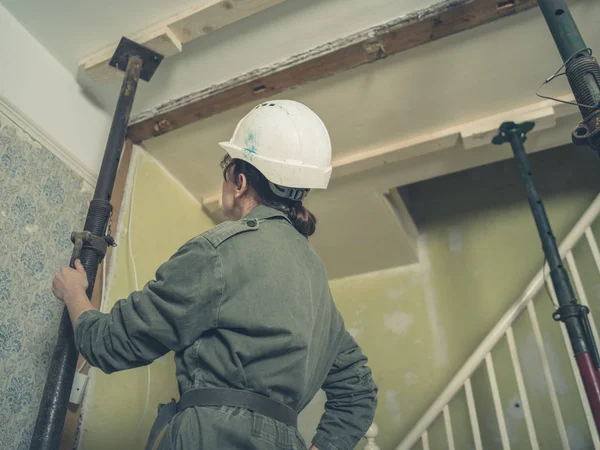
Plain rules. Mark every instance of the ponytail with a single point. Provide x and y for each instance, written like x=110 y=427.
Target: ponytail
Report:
x=303 y=220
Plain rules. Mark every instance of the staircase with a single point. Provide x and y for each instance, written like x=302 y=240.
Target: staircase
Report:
x=522 y=357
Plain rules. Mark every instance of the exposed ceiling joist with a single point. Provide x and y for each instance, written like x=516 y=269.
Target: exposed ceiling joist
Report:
x=169 y=36
x=370 y=45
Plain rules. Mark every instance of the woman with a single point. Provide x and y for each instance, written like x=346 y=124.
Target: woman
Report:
x=246 y=307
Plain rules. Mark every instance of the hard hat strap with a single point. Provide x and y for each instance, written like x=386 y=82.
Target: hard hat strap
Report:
x=296 y=194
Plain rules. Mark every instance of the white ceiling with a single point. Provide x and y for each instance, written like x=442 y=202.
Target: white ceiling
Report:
x=415 y=95
x=427 y=95
x=446 y=83
x=72 y=29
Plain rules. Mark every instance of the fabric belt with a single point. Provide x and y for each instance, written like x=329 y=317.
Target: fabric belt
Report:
x=219 y=397
x=166 y=412
x=241 y=399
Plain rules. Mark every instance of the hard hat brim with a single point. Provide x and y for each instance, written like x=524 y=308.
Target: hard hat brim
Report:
x=283 y=173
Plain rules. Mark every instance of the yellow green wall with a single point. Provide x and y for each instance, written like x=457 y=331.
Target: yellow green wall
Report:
x=417 y=324
x=479 y=249
x=165 y=216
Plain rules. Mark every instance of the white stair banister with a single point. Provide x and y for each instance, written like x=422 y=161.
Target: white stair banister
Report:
x=489 y=363
x=448 y=426
x=371 y=435
x=539 y=341
x=462 y=378
x=473 y=415
x=593 y=247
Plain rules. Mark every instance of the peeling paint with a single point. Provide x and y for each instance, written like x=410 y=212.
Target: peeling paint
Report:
x=532 y=364
x=394 y=293
x=360 y=310
x=355 y=332
x=398 y=322
x=410 y=379
x=491 y=426
x=440 y=348
x=577 y=439
x=393 y=406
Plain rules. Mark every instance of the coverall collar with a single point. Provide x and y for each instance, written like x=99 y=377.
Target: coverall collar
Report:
x=262 y=212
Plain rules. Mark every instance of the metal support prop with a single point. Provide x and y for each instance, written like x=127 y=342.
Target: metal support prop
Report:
x=582 y=70
x=90 y=246
x=570 y=312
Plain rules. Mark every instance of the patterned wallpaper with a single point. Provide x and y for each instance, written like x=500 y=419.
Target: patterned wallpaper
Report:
x=41 y=202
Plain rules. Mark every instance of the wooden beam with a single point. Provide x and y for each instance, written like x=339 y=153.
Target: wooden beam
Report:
x=169 y=36
x=421 y=27
x=74 y=411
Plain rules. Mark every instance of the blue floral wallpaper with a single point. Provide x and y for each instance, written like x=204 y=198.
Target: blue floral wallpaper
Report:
x=41 y=202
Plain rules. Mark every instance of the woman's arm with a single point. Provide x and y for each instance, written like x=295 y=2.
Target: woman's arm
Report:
x=351 y=399
x=170 y=313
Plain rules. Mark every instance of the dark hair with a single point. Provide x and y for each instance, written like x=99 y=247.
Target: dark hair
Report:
x=303 y=220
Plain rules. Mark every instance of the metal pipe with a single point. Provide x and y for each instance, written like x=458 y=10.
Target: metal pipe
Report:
x=53 y=407
x=581 y=68
x=563 y=28
x=570 y=312
x=590 y=381
x=118 y=129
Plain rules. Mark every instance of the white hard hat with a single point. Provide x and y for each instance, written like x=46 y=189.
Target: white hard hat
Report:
x=287 y=142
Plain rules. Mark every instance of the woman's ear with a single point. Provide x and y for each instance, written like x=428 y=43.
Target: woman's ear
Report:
x=241 y=183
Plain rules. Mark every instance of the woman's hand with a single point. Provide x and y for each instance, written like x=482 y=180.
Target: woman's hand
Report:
x=70 y=283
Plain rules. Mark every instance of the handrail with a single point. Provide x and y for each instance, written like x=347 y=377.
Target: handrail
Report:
x=498 y=331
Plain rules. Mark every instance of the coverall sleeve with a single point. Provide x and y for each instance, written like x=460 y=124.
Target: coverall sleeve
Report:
x=351 y=399
x=170 y=313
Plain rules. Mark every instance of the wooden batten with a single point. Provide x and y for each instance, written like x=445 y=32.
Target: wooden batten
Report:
x=169 y=36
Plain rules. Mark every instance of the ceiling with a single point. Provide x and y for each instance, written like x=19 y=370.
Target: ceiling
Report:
x=446 y=83
x=416 y=115
x=72 y=29
x=422 y=105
